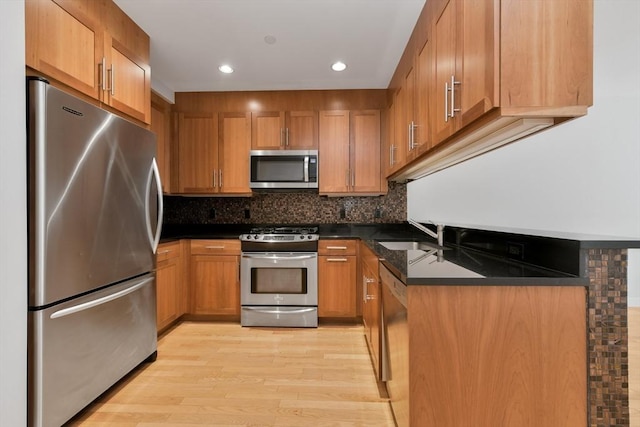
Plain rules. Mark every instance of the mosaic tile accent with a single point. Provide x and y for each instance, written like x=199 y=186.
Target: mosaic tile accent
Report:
x=608 y=338
x=288 y=208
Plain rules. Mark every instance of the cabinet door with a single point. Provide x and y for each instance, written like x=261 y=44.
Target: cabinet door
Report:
x=128 y=82
x=301 y=132
x=479 y=84
x=234 y=145
x=337 y=286
x=422 y=120
x=400 y=133
x=216 y=285
x=267 y=130
x=445 y=38
x=167 y=281
x=409 y=119
x=334 y=171
x=389 y=148
x=365 y=151
x=65 y=40
x=198 y=153
x=161 y=126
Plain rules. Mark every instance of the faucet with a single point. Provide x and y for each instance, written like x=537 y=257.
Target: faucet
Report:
x=438 y=235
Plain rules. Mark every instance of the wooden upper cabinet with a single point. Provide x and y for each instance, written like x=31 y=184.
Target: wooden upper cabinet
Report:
x=465 y=84
x=365 y=151
x=161 y=126
x=301 y=130
x=349 y=152
x=128 y=71
x=334 y=152
x=198 y=153
x=267 y=130
x=234 y=144
x=422 y=118
x=279 y=130
x=446 y=42
x=92 y=47
x=213 y=152
x=400 y=133
x=65 y=41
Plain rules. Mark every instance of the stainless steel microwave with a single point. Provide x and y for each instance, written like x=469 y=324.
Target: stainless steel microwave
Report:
x=284 y=169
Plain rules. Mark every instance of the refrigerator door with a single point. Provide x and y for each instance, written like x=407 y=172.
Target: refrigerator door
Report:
x=93 y=197
x=81 y=347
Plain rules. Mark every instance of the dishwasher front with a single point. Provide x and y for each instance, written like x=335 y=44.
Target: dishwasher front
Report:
x=396 y=344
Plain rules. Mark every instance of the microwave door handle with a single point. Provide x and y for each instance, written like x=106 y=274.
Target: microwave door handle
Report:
x=306 y=168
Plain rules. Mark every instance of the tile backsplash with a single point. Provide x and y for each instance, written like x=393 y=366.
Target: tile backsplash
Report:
x=288 y=208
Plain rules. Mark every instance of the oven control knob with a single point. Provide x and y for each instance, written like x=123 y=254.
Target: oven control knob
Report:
x=301 y=237
x=248 y=236
x=255 y=237
x=309 y=237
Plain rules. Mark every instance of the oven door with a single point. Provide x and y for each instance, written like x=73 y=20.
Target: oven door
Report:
x=279 y=279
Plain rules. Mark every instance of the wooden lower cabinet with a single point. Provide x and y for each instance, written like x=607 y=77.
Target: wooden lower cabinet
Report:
x=170 y=292
x=489 y=356
x=371 y=306
x=215 y=277
x=337 y=270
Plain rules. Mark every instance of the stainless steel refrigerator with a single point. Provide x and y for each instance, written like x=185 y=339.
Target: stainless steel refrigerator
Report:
x=95 y=213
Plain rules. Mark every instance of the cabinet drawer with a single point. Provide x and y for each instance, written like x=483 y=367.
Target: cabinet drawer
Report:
x=168 y=250
x=337 y=247
x=218 y=246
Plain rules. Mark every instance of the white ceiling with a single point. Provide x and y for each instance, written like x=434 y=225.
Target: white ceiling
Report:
x=191 y=38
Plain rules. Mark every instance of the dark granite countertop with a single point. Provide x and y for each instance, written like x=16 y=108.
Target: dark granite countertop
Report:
x=471 y=257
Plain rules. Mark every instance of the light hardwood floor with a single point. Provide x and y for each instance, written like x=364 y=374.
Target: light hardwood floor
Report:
x=633 y=322
x=224 y=375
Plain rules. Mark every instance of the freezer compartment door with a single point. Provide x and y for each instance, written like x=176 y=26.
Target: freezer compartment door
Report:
x=82 y=347
x=93 y=200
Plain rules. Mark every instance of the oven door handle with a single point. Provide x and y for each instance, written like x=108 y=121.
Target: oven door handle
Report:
x=276 y=311
x=279 y=257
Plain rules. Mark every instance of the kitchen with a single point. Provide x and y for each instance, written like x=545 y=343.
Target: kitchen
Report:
x=582 y=190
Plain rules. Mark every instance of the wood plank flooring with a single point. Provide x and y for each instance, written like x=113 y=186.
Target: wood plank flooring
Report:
x=218 y=374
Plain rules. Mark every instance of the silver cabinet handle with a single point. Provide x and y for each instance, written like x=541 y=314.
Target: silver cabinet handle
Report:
x=446 y=101
x=279 y=257
x=221 y=184
x=163 y=252
x=112 y=78
x=364 y=288
x=337 y=260
x=339 y=248
x=410 y=145
x=391 y=152
x=103 y=73
x=286 y=138
x=276 y=311
x=454 y=110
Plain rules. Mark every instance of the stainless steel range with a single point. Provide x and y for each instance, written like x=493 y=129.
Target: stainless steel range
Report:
x=279 y=277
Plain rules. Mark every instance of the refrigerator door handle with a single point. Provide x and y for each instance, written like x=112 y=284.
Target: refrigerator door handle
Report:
x=154 y=239
x=100 y=301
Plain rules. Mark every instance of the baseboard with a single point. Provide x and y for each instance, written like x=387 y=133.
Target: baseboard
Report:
x=633 y=301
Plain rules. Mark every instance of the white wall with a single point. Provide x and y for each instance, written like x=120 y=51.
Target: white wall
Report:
x=13 y=217
x=582 y=176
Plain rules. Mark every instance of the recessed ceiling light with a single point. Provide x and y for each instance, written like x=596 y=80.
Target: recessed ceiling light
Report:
x=338 y=66
x=225 y=69
x=269 y=39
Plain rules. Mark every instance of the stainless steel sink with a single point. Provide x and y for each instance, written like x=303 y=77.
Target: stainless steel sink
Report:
x=404 y=246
